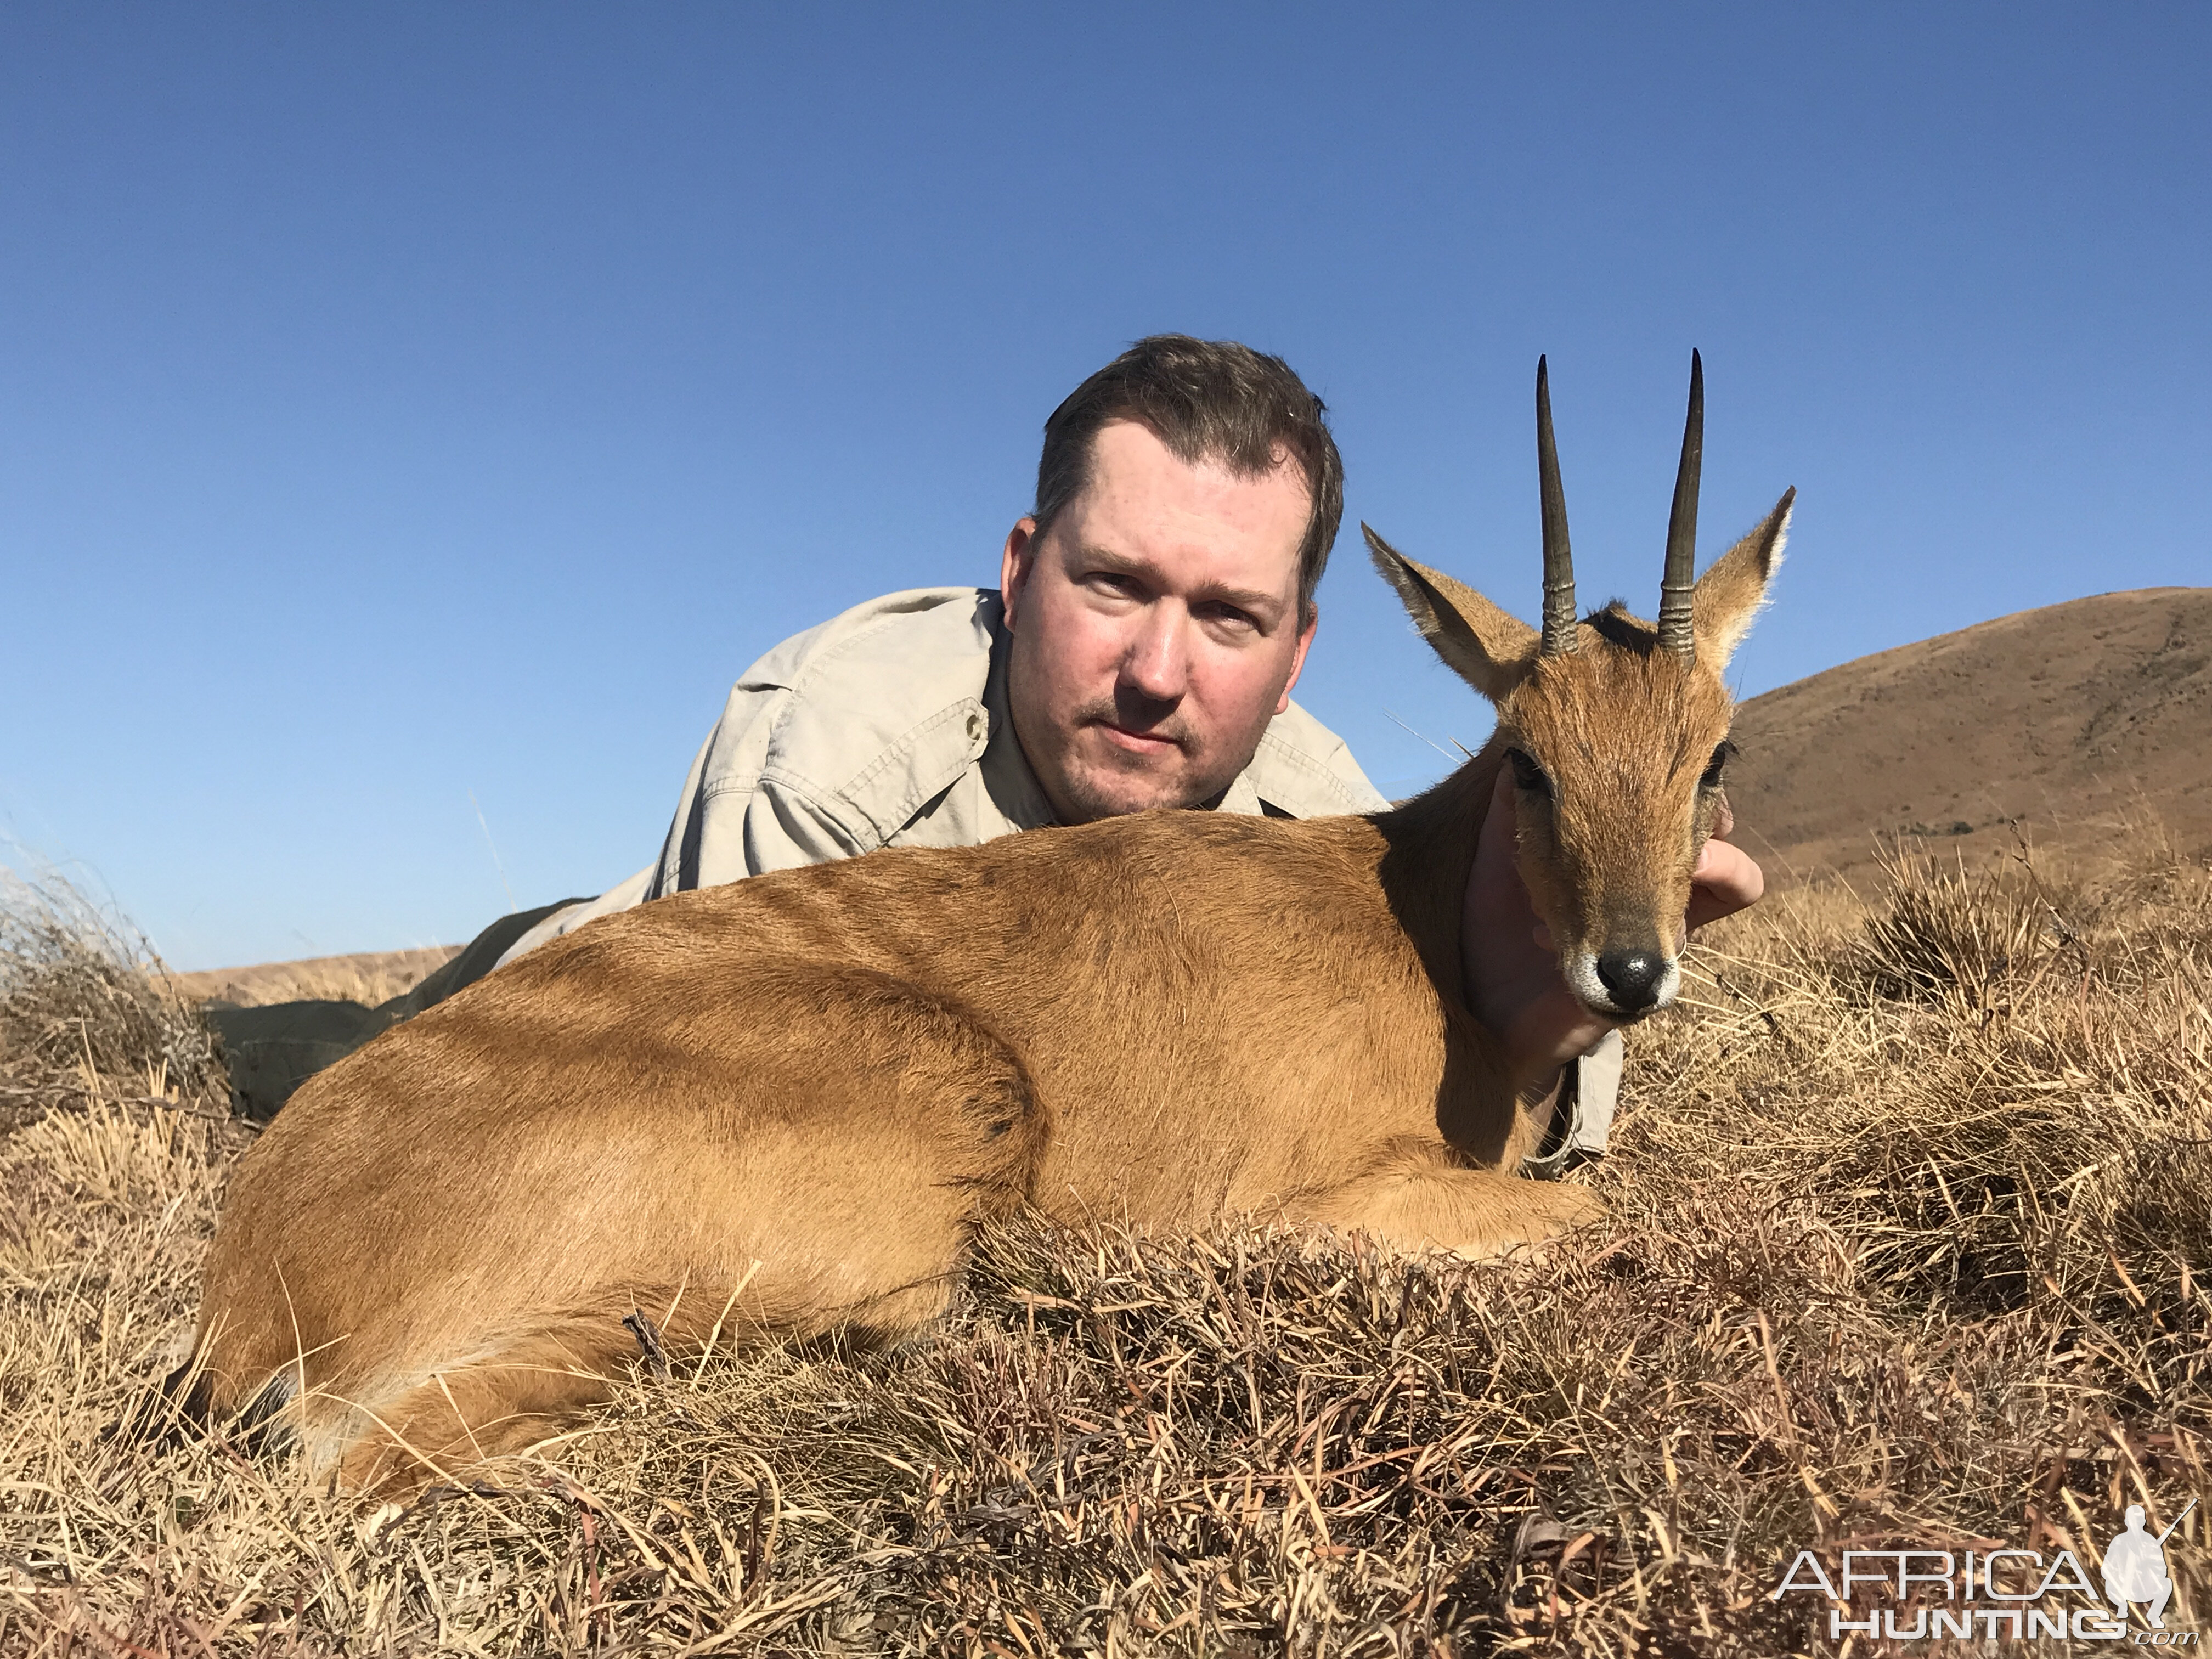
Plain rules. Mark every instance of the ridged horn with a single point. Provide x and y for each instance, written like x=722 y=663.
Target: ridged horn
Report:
x=1677 y=632
x=1558 y=558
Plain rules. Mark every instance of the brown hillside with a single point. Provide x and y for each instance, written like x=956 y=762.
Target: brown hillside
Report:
x=2089 y=722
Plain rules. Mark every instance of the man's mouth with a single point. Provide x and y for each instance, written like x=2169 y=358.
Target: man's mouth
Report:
x=1137 y=743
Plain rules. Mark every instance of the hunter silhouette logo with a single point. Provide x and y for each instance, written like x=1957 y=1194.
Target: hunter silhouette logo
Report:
x=2000 y=1596
x=2135 y=1567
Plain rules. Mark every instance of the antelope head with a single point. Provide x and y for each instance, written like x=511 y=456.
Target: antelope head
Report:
x=1615 y=728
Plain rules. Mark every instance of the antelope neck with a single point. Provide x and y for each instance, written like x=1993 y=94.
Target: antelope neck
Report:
x=1431 y=841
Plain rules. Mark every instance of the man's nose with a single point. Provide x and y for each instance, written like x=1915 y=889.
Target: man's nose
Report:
x=1157 y=665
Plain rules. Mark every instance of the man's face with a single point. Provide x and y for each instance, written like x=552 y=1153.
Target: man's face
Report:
x=1156 y=628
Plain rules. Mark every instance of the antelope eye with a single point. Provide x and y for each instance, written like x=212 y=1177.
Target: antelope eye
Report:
x=1715 y=767
x=1529 y=775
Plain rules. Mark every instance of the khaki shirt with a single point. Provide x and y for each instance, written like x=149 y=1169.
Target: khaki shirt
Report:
x=889 y=726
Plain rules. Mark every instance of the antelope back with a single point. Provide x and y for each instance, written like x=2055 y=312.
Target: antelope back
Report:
x=1615 y=728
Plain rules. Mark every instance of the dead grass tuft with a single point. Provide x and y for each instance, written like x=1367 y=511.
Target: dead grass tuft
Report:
x=1911 y=1216
x=84 y=998
x=1953 y=932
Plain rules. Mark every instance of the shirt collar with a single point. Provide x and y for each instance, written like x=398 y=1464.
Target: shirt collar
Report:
x=1013 y=786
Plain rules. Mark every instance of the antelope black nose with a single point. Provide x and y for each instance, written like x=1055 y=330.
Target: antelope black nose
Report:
x=1631 y=977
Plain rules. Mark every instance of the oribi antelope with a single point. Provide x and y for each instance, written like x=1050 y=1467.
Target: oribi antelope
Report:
x=782 y=1107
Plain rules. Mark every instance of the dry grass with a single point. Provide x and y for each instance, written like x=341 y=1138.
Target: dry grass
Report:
x=1912 y=1216
x=371 y=978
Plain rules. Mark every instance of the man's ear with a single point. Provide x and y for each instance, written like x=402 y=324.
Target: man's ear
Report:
x=1299 y=649
x=1730 y=593
x=1488 y=649
x=1016 y=561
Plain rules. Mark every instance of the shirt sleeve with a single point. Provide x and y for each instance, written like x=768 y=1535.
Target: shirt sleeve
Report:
x=731 y=822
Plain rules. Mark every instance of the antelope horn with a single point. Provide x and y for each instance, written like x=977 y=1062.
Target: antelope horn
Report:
x=1676 y=632
x=1558 y=558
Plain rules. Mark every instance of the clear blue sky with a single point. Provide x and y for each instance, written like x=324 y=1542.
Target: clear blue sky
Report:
x=405 y=403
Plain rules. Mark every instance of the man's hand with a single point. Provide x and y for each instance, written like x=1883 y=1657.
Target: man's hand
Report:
x=1512 y=968
x=1727 y=878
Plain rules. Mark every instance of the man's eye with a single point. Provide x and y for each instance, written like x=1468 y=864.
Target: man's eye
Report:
x=1229 y=615
x=1529 y=775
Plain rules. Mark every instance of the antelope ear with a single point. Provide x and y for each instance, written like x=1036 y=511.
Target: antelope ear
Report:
x=1733 y=588
x=1488 y=649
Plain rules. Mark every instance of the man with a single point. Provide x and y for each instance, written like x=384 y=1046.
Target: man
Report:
x=2135 y=1570
x=1155 y=610
x=1153 y=614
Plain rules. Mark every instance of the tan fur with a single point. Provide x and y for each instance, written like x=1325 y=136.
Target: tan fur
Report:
x=780 y=1107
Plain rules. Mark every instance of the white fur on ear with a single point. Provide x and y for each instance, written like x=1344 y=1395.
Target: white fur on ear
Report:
x=1735 y=588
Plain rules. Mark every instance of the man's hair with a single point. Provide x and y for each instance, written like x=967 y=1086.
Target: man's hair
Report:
x=1206 y=400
